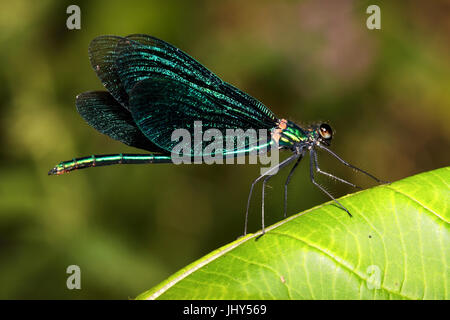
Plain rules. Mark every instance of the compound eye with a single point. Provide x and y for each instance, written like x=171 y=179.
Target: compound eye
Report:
x=325 y=131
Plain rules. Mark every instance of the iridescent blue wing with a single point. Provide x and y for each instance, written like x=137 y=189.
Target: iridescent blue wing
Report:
x=105 y=114
x=160 y=105
x=102 y=55
x=105 y=50
x=123 y=63
x=142 y=57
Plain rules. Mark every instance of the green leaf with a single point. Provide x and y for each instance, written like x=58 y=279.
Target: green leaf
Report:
x=394 y=247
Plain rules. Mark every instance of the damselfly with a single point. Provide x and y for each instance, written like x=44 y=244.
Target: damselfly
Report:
x=154 y=88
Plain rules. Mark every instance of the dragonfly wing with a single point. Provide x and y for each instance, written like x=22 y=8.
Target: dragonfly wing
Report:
x=104 y=52
x=160 y=105
x=142 y=57
x=102 y=55
x=105 y=114
x=127 y=66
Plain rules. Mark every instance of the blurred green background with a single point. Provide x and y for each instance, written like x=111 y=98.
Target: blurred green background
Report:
x=386 y=93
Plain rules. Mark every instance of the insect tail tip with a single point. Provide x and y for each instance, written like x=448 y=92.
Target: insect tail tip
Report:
x=53 y=171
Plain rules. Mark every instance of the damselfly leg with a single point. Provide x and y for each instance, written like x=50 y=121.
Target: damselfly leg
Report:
x=311 y=171
x=316 y=162
x=288 y=179
x=350 y=165
x=271 y=172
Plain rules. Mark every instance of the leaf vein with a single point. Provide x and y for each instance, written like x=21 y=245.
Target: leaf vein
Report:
x=341 y=263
